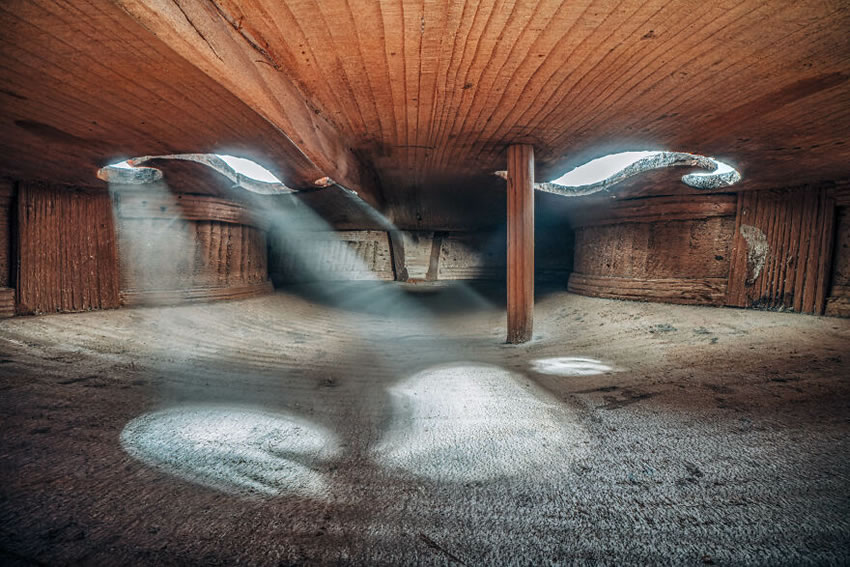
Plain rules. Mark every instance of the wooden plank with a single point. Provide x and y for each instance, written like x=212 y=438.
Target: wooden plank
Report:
x=66 y=257
x=137 y=297
x=212 y=38
x=655 y=209
x=7 y=189
x=520 y=243
x=736 y=292
x=694 y=291
x=827 y=239
x=162 y=204
x=7 y=302
x=797 y=226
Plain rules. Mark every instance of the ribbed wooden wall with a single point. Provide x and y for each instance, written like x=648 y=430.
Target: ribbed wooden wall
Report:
x=838 y=302
x=330 y=256
x=66 y=256
x=7 y=293
x=669 y=249
x=782 y=250
x=184 y=248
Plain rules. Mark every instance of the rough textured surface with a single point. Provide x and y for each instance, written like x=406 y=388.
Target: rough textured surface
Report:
x=7 y=190
x=65 y=250
x=428 y=256
x=782 y=250
x=671 y=249
x=838 y=302
x=178 y=248
x=624 y=433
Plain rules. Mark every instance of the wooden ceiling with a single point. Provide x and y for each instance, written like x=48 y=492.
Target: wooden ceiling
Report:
x=412 y=103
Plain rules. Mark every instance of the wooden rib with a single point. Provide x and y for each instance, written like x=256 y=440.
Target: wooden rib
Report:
x=201 y=35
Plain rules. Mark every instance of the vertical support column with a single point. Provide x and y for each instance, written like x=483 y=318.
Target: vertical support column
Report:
x=520 y=243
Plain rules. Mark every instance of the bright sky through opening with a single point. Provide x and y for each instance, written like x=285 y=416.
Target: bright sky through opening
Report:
x=601 y=169
x=249 y=168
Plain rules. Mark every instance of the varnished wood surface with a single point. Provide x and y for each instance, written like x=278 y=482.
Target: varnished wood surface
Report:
x=520 y=243
x=797 y=230
x=134 y=297
x=838 y=300
x=164 y=205
x=7 y=302
x=180 y=260
x=65 y=250
x=699 y=291
x=83 y=85
x=673 y=249
x=413 y=104
x=7 y=189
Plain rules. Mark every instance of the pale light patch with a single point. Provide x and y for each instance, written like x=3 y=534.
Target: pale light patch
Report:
x=601 y=169
x=476 y=422
x=237 y=450
x=570 y=366
x=249 y=168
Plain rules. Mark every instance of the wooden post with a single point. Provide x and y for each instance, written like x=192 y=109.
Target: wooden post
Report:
x=520 y=243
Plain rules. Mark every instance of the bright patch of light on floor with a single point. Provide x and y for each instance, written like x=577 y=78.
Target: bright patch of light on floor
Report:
x=475 y=422
x=569 y=366
x=601 y=169
x=249 y=168
x=237 y=450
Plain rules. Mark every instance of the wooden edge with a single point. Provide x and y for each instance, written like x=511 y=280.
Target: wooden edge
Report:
x=654 y=209
x=693 y=291
x=736 y=289
x=827 y=240
x=7 y=302
x=146 y=205
x=133 y=298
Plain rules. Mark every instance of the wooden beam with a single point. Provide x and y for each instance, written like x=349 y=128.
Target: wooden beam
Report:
x=520 y=243
x=213 y=40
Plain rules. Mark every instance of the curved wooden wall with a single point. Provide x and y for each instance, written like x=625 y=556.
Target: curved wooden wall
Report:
x=185 y=248
x=670 y=249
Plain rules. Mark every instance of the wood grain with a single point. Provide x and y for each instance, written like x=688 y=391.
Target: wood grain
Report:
x=838 y=300
x=520 y=243
x=7 y=302
x=798 y=230
x=700 y=291
x=66 y=250
x=415 y=103
x=177 y=248
x=7 y=190
x=673 y=249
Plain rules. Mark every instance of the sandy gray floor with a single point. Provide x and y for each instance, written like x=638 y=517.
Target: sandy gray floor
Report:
x=398 y=429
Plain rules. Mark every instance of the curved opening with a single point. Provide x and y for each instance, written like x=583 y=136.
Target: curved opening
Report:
x=243 y=172
x=606 y=171
x=602 y=168
x=609 y=170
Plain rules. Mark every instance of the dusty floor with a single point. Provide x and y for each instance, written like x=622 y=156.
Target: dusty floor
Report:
x=398 y=429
